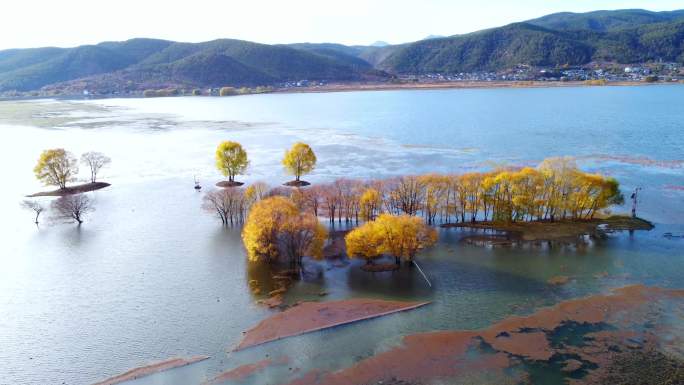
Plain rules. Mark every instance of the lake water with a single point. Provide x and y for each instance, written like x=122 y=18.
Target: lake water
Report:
x=150 y=276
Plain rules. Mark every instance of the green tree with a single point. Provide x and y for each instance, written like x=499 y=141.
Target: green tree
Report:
x=56 y=167
x=299 y=160
x=227 y=91
x=231 y=159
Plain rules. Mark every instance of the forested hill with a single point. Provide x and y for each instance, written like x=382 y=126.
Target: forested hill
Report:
x=140 y=63
x=555 y=40
x=623 y=36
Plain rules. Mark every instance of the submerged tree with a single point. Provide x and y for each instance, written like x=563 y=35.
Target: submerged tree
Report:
x=400 y=236
x=229 y=205
x=371 y=204
x=256 y=192
x=72 y=208
x=275 y=229
x=95 y=161
x=404 y=235
x=231 y=159
x=56 y=167
x=365 y=242
x=299 y=160
x=34 y=206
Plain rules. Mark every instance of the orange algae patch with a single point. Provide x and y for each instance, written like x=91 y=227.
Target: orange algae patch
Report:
x=533 y=345
x=312 y=316
x=151 y=369
x=446 y=354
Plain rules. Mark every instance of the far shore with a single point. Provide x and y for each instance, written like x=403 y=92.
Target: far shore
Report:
x=383 y=86
x=366 y=86
x=87 y=187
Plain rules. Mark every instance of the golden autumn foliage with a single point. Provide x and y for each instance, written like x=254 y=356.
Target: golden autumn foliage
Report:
x=299 y=160
x=231 y=159
x=370 y=203
x=400 y=236
x=276 y=229
x=56 y=167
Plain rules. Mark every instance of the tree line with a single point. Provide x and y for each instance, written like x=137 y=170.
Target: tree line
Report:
x=555 y=190
x=395 y=211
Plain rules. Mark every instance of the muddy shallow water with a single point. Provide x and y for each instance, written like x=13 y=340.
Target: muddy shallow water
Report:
x=149 y=276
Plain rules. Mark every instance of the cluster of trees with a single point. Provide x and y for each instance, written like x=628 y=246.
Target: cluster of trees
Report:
x=555 y=190
x=57 y=167
x=279 y=225
x=396 y=212
x=164 y=92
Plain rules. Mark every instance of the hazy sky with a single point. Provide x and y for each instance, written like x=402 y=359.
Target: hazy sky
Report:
x=33 y=23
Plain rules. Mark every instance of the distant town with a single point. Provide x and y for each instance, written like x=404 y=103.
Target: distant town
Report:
x=650 y=72
x=590 y=74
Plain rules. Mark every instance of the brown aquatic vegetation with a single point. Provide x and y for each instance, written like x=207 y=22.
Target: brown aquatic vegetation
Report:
x=637 y=160
x=151 y=369
x=312 y=316
x=515 y=340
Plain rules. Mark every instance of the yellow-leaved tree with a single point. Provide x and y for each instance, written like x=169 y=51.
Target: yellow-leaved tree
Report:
x=400 y=236
x=404 y=235
x=371 y=204
x=299 y=160
x=56 y=167
x=231 y=159
x=275 y=229
x=364 y=242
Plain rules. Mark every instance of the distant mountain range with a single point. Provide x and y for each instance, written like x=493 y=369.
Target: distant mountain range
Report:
x=622 y=36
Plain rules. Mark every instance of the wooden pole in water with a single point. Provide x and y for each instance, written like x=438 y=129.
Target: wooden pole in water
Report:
x=421 y=272
x=635 y=196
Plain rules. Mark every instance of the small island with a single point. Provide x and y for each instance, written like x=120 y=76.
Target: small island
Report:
x=57 y=167
x=71 y=190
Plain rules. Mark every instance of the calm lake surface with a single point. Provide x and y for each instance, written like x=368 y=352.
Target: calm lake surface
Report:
x=150 y=276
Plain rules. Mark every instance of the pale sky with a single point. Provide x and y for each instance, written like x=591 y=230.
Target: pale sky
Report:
x=66 y=23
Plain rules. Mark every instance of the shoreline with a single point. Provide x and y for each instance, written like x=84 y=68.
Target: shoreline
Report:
x=371 y=86
x=352 y=87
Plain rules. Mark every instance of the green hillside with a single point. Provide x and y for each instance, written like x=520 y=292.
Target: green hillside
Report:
x=491 y=49
x=530 y=44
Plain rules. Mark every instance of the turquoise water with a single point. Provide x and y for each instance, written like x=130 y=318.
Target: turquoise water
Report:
x=149 y=276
